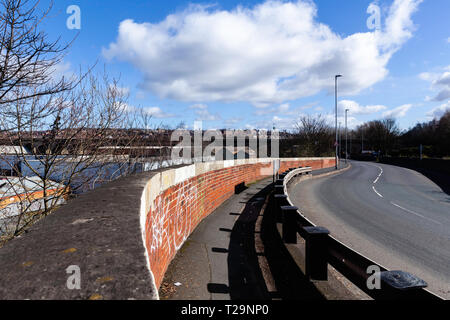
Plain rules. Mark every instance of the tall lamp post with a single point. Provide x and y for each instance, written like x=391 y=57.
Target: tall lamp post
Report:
x=351 y=143
x=346 y=136
x=340 y=140
x=336 y=116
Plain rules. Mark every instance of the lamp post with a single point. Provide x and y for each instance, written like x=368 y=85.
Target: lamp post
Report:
x=336 y=113
x=346 y=136
x=351 y=142
x=339 y=141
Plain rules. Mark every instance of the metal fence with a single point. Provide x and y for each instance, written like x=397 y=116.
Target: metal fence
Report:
x=322 y=249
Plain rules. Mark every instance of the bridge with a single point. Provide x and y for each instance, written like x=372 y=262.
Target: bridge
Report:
x=224 y=230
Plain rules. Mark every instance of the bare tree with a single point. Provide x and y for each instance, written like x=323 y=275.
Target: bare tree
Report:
x=74 y=145
x=380 y=135
x=71 y=134
x=28 y=58
x=314 y=136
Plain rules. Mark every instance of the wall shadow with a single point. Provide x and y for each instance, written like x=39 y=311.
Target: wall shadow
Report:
x=246 y=281
x=290 y=281
x=245 y=278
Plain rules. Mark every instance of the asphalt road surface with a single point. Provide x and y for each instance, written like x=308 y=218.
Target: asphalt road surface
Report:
x=393 y=215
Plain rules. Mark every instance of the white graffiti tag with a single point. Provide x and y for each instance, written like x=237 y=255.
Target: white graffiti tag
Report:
x=158 y=232
x=183 y=217
x=178 y=220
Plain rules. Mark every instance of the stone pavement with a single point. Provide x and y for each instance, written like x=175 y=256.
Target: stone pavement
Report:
x=98 y=232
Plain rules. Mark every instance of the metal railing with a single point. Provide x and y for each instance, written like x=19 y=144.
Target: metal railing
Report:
x=322 y=249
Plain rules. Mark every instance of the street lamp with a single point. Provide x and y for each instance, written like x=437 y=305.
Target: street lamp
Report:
x=346 y=136
x=336 y=113
x=340 y=140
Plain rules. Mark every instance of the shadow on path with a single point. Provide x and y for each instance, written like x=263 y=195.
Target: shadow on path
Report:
x=246 y=281
x=290 y=281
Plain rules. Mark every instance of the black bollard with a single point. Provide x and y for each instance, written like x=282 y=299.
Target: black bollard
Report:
x=280 y=200
x=316 y=253
x=279 y=189
x=289 y=229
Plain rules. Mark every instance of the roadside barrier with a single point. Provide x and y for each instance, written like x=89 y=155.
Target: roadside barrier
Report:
x=322 y=249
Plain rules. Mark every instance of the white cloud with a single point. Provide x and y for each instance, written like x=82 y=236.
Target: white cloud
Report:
x=443 y=82
x=289 y=123
x=356 y=109
x=427 y=76
x=280 y=123
x=444 y=79
x=443 y=95
x=284 y=109
x=398 y=112
x=62 y=69
x=271 y=53
x=352 y=122
x=440 y=82
x=125 y=107
x=199 y=107
x=156 y=112
x=203 y=114
x=232 y=121
x=448 y=40
x=281 y=109
x=140 y=95
x=122 y=91
x=438 y=112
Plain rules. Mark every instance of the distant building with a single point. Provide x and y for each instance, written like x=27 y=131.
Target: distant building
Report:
x=13 y=150
x=9 y=159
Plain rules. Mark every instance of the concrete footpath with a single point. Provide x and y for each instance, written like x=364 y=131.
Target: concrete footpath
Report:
x=236 y=253
x=218 y=261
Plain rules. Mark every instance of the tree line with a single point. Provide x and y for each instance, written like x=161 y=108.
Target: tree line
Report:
x=314 y=136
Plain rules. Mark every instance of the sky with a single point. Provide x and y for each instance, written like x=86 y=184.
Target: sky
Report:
x=259 y=64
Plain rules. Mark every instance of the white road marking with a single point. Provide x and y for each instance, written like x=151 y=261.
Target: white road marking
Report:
x=398 y=206
x=379 y=176
x=379 y=194
x=415 y=213
x=376 y=180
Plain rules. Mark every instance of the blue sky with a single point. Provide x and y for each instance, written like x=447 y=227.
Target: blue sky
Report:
x=252 y=64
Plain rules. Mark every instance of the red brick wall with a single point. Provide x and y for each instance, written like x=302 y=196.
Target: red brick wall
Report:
x=178 y=210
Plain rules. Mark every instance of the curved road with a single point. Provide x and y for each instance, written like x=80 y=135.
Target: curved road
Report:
x=393 y=215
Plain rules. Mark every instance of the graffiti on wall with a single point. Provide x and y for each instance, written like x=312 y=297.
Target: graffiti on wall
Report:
x=171 y=223
x=177 y=211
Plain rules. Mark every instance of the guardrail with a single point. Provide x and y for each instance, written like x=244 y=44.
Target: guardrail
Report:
x=322 y=249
